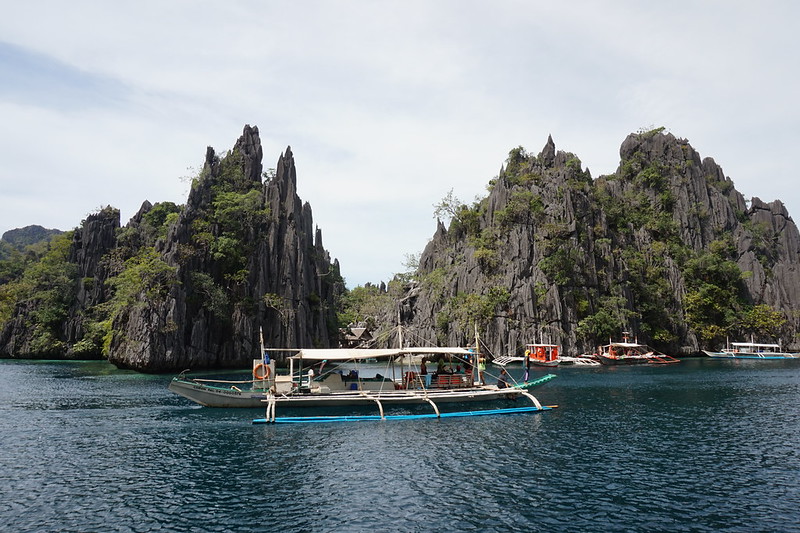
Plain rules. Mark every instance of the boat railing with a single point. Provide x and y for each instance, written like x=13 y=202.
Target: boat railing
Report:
x=453 y=381
x=415 y=380
x=241 y=382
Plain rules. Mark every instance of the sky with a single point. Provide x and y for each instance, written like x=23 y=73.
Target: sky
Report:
x=387 y=105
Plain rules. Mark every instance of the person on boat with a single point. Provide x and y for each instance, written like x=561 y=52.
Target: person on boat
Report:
x=423 y=371
x=440 y=366
x=468 y=369
x=502 y=381
x=482 y=369
x=310 y=375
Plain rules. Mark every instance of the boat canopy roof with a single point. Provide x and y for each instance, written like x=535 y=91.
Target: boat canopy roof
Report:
x=351 y=354
x=544 y=345
x=627 y=345
x=754 y=345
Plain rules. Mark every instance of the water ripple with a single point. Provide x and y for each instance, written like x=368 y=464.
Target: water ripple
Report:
x=698 y=447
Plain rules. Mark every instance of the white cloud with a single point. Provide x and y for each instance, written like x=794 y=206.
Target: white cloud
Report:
x=387 y=105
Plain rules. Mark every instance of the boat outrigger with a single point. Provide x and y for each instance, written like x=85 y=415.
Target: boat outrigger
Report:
x=752 y=350
x=578 y=361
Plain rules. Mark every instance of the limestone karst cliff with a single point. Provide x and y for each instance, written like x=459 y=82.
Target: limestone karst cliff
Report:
x=243 y=255
x=188 y=286
x=48 y=307
x=665 y=248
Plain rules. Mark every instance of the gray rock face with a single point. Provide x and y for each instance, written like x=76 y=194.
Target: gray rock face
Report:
x=90 y=243
x=288 y=291
x=242 y=255
x=619 y=244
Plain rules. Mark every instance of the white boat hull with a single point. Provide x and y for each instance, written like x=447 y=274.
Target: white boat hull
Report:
x=212 y=396
x=216 y=396
x=740 y=355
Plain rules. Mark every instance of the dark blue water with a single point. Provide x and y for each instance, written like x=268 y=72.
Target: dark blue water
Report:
x=700 y=446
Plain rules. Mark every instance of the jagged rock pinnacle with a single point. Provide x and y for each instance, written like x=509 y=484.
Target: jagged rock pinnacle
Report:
x=548 y=154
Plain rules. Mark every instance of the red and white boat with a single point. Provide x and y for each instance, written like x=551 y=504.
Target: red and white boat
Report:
x=631 y=353
x=543 y=354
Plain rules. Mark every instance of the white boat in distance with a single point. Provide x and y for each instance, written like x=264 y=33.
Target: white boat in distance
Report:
x=752 y=350
x=332 y=387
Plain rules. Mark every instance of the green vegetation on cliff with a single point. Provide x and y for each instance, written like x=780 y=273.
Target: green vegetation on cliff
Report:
x=181 y=285
x=647 y=249
x=665 y=248
x=45 y=288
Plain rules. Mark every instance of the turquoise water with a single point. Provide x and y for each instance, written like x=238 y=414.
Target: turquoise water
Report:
x=700 y=446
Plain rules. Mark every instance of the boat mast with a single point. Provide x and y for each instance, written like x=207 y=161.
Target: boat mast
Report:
x=476 y=362
x=400 y=342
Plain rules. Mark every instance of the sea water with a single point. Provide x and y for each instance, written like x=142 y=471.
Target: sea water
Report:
x=704 y=445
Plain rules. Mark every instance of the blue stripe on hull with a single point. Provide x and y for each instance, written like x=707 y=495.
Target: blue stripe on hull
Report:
x=749 y=357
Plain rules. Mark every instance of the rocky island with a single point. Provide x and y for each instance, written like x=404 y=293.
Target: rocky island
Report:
x=183 y=286
x=665 y=247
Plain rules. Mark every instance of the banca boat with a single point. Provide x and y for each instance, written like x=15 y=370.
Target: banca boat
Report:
x=543 y=354
x=631 y=353
x=535 y=354
x=752 y=350
x=546 y=355
x=334 y=387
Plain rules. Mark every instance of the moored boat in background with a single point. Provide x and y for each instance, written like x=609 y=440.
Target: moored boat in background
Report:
x=631 y=353
x=547 y=355
x=543 y=354
x=752 y=350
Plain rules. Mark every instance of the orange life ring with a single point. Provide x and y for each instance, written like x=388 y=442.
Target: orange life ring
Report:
x=265 y=374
